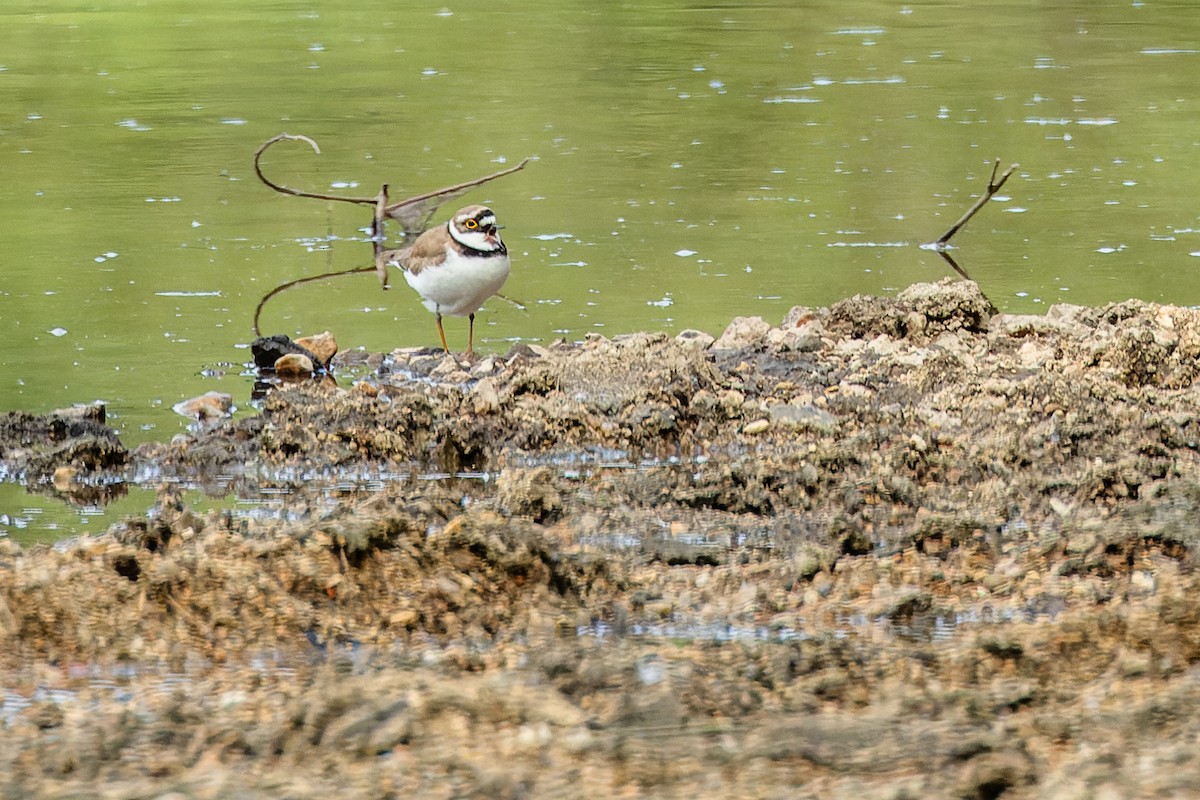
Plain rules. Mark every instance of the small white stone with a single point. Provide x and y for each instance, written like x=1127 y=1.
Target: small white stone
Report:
x=756 y=427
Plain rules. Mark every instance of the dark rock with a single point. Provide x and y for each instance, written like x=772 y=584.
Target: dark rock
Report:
x=269 y=349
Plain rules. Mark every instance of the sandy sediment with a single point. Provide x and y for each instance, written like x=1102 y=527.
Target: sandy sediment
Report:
x=897 y=547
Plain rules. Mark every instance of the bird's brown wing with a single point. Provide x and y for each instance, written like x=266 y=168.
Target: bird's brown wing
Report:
x=429 y=249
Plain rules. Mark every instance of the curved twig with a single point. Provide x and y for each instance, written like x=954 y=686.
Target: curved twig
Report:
x=299 y=281
x=299 y=192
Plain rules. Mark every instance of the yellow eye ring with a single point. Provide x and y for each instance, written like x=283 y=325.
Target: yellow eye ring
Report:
x=471 y=224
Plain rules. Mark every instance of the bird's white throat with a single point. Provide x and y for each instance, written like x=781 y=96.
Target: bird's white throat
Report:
x=476 y=240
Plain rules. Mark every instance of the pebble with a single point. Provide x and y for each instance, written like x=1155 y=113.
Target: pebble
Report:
x=486 y=366
x=756 y=427
x=802 y=415
x=64 y=478
x=208 y=406
x=742 y=332
x=694 y=339
x=485 y=396
x=321 y=345
x=294 y=365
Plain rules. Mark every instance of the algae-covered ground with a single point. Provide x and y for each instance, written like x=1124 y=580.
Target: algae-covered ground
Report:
x=898 y=547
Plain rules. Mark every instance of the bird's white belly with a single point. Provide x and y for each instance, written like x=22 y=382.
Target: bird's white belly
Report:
x=460 y=285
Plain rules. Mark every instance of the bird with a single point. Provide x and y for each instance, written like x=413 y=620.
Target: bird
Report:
x=456 y=267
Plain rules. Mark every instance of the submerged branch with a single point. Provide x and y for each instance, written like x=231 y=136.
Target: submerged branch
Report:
x=953 y=264
x=992 y=187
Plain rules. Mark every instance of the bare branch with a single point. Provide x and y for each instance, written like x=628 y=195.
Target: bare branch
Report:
x=414 y=212
x=992 y=187
x=953 y=264
x=298 y=192
x=377 y=235
x=516 y=303
x=298 y=282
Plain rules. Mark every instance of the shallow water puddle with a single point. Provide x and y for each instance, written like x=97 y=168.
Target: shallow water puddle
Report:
x=91 y=507
x=929 y=628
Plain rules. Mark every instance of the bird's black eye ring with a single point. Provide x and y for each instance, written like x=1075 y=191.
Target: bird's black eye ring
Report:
x=471 y=224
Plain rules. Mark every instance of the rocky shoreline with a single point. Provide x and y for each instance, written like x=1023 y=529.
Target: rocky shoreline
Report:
x=897 y=547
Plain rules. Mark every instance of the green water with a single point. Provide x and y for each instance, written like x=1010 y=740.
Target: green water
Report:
x=691 y=163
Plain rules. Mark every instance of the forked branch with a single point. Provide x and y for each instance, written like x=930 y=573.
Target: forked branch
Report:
x=993 y=186
x=412 y=213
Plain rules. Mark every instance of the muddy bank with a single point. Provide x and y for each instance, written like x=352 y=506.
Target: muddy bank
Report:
x=897 y=547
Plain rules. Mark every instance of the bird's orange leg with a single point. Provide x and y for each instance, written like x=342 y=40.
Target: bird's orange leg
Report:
x=442 y=333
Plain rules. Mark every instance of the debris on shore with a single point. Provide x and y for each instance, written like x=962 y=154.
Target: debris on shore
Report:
x=897 y=547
